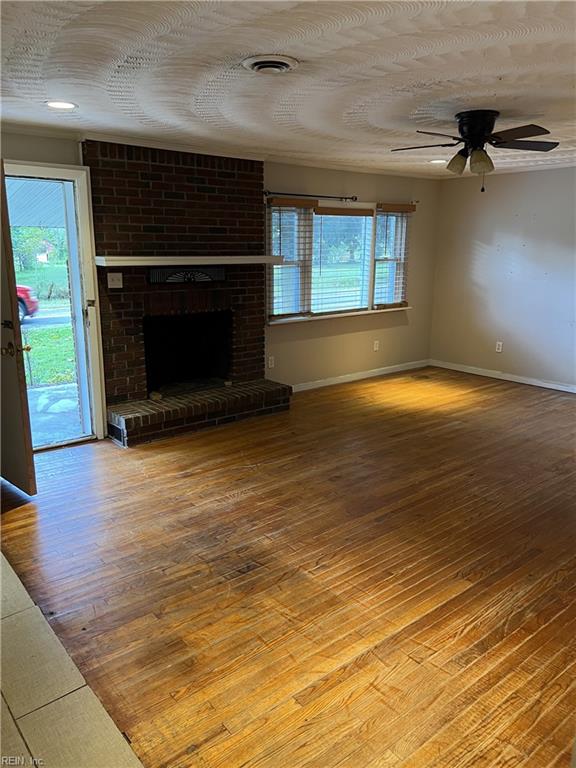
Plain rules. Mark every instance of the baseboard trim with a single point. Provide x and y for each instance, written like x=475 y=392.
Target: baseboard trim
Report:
x=359 y=375
x=438 y=364
x=506 y=376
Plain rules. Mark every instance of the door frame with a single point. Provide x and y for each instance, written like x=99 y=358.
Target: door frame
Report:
x=80 y=175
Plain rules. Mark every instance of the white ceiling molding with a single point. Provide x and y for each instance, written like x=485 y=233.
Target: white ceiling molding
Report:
x=369 y=75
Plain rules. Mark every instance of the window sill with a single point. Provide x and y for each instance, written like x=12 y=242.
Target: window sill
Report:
x=334 y=315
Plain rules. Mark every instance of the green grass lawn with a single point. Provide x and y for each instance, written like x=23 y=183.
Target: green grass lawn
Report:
x=52 y=358
x=48 y=281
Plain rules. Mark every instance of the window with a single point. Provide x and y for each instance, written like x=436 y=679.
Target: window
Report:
x=336 y=259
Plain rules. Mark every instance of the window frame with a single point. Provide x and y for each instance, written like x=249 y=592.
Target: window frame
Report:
x=306 y=273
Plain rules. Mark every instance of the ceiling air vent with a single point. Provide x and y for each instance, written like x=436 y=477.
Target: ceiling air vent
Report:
x=270 y=64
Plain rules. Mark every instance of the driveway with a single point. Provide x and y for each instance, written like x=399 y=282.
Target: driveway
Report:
x=44 y=321
x=54 y=414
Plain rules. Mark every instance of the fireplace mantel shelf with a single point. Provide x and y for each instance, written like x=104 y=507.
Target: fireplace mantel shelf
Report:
x=173 y=261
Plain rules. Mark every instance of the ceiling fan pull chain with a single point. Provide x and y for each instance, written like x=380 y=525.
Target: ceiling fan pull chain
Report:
x=483 y=188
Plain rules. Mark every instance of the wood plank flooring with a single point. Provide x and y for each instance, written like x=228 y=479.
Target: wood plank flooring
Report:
x=383 y=576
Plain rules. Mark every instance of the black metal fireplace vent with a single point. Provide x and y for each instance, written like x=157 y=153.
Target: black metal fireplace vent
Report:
x=186 y=274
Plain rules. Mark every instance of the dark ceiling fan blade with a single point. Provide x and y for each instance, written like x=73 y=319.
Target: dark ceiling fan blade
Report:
x=522 y=132
x=445 y=135
x=425 y=146
x=534 y=146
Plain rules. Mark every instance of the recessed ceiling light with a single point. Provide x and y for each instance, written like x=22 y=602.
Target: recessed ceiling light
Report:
x=64 y=105
x=438 y=161
x=270 y=64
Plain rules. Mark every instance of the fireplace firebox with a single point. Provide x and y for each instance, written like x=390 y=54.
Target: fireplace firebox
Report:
x=187 y=352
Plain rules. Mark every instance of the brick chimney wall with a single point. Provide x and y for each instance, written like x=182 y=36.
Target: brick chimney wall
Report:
x=149 y=202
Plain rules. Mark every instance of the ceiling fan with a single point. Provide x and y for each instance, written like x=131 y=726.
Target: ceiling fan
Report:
x=476 y=129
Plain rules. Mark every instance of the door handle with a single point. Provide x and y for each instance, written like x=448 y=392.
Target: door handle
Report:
x=90 y=304
x=10 y=350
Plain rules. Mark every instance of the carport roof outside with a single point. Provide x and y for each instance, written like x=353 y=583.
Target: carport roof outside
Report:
x=36 y=202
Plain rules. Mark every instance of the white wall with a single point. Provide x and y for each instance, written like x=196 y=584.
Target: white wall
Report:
x=506 y=270
x=39 y=149
x=324 y=349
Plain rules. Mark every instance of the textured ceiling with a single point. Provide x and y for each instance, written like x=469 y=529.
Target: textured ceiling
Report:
x=371 y=73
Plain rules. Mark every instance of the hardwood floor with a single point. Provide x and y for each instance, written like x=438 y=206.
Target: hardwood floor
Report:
x=384 y=576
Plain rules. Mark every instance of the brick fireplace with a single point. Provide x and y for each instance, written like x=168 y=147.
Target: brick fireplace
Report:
x=123 y=312
x=157 y=208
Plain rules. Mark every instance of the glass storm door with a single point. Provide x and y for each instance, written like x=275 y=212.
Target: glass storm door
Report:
x=44 y=234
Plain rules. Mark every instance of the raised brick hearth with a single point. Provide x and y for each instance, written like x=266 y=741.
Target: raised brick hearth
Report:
x=143 y=420
x=159 y=204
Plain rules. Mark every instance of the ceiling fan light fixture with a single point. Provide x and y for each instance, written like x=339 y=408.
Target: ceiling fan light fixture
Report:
x=480 y=162
x=458 y=162
x=476 y=130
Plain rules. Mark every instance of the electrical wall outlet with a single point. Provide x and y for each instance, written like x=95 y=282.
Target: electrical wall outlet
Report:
x=499 y=346
x=115 y=280
x=376 y=345
x=271 y=361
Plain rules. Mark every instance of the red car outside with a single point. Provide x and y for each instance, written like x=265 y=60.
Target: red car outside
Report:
x=27 y=302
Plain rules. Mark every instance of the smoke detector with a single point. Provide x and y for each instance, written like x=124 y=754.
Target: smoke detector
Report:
x=270 y=64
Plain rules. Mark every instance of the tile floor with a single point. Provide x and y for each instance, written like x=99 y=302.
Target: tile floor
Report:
x=49 y=716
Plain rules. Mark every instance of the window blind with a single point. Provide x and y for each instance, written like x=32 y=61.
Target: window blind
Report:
x=341 y=256
x=390 y=258
x=290 y=231
x=335 y=259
